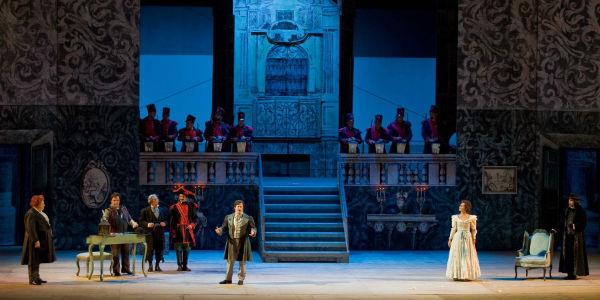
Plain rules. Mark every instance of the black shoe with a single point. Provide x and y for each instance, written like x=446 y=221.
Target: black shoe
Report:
x=240 y=282
x=157 y=268
x=225 y=282
x=179 y=268
x=42 y=280
x=35 y=282
x=150 y=269
x=117 y=274
x=570 y=277
x=185 y=268
x=127 y=272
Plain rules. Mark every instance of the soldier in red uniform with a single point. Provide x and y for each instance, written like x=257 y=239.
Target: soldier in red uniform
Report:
x=216 y=130
x=168 y=128
x=183 y=222
x=190 y=134
x=150 y=130
x=241 y=133
x=376 y=134
x=430 y=130
x=349 y=134
x=400 y=132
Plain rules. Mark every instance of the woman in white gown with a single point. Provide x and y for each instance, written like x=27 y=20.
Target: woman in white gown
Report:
x=462 y=260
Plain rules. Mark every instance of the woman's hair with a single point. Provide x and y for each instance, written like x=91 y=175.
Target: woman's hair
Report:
x=238 y=202
x=468 y=205
x=115 y=194
x=36 y=200
x=152 y=196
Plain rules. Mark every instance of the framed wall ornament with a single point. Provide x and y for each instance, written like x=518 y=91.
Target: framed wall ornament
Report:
x=95 y=185
x=499 y=180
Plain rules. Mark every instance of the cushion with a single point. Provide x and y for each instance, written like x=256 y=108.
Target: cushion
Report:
x=539 y=244
x=95 y=255
x=531 y=260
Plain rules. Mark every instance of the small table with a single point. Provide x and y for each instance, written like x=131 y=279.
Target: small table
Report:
x=400 y=222
x=114 y=239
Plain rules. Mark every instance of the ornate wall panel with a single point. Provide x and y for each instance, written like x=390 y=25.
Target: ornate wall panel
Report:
x=98 y=61
x=497 y=54
x=28 y=49
x=569 y=47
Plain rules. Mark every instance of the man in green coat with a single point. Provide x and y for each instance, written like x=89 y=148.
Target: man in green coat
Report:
x=240 y=228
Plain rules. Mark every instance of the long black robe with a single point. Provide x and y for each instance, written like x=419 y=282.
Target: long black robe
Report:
x=37 y=229
x=573 y=257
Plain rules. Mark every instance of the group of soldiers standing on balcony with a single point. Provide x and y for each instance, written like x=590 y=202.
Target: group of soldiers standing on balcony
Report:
x=399 y=132
x=218 y=134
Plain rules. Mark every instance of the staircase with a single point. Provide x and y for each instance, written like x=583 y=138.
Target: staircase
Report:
x=303 y=221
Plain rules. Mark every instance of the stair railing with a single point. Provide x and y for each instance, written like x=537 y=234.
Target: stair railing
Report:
x=342 y=196
x=261 y=199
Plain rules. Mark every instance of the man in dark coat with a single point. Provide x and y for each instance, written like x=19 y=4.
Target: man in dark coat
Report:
x=400 y=132
x=120 y=222
x=348 y=134
x=430 y=130
x=240 y=228
x=190 y=134
x=573 y=257
x=38 y=245
x=183 y=222
x=241 y=133
x=150 y=130
x=376 y=134
x=153 y=220
x=168 y=129
x=216 y=131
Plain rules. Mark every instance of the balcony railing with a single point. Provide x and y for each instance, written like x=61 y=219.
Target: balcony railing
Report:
x=198 y=168
x=398 y=169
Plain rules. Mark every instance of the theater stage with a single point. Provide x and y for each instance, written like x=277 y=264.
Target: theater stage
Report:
x=369 y=275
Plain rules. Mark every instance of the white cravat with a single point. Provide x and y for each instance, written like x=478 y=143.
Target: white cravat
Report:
x=43 y=215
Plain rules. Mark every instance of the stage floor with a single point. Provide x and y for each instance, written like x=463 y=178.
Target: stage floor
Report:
x=369 y=275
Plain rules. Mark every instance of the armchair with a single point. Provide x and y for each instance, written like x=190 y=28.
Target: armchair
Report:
x=536 y=253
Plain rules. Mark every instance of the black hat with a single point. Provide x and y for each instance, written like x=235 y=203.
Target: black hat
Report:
x=241 y=115
x=349 y=116
x=400 y=111
x=190 y=118
x=573 y=196
x=151 y=107
x=378 y=118
x=166 y=110
x=220 y=111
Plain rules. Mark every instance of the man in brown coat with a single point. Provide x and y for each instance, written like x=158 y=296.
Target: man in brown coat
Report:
x=241 y=227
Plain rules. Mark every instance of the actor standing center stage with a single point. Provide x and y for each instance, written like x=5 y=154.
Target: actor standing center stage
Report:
x=463 y=263
x=241 y=227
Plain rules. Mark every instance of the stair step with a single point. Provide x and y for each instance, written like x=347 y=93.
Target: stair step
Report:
x=305 y=246
x=303 y=217
x=313 y=227
x=299 y=190
x=300 y=208
x=305 y=236
x=306 y=256
x=305 y=199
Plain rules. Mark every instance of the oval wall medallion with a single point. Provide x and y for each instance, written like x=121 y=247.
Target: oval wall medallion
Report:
x=95 y=185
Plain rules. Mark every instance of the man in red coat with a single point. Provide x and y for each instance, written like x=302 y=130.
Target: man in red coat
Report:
x=241 y=133
x=150 y=128
x=183 y=222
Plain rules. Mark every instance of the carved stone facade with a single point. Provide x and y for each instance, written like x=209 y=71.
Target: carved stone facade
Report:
x=286 y=75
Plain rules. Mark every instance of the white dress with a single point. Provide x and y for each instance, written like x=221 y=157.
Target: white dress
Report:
x=462 y=260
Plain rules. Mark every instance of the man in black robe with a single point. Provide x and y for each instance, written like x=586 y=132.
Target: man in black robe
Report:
x=38 y=246
x=573 y=257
